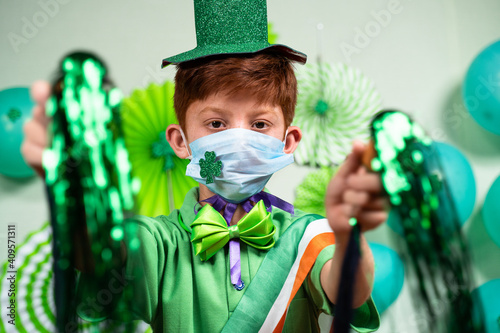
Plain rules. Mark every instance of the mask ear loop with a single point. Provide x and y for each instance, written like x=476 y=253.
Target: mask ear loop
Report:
x=190 y=156
x=284 y=140
x=286 y=134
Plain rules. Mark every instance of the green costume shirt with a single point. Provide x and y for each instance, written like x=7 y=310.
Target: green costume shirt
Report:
x=174 y=291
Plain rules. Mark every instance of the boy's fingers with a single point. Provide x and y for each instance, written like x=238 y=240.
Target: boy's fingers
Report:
x=32 y=154
x=372 y=219
x=358 y=147
x=351 y=165
x=39 y=115
x=358 y=198
x=346 y=211
x=370 y=182
x=40 y=91
x=352 y=162
x=341 y=215
x=378 y=203
x=35 y=134
x=364 y=200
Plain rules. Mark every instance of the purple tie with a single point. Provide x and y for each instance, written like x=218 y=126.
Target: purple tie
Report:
x=219 y=204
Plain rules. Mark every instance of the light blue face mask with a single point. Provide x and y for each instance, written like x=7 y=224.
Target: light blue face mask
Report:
x=248 y=159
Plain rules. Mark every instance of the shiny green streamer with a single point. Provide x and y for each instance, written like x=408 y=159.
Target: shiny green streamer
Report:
x=88 y=178
x=413 y=179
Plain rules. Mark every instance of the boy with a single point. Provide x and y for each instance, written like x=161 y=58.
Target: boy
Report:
x=235 y=100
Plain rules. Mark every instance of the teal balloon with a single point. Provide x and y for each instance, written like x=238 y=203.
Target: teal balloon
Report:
x=15 y=110
x=481 y=88
x=389 y=276
x=457 y=171
x=491 y=211
x=460 y=179
x=488 y=295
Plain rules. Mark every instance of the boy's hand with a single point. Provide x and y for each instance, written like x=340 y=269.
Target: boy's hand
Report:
x=35 y=130
x=355 y=192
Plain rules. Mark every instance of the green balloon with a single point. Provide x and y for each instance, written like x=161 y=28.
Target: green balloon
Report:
x=389 y=276
x=491 y=211
x=15 y=110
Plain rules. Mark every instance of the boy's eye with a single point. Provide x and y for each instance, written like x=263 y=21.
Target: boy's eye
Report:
x=216 y=124
x=260 y=125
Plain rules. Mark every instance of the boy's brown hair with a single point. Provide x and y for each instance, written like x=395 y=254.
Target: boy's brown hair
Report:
x=270 y=77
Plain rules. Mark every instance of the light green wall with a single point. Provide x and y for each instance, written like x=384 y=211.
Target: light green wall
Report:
x=417 y=56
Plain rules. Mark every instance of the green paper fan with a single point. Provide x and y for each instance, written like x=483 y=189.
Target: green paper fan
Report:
x=34 y=285
x=164 y=184
x=310 y=194
x=272 y=35
x=334 y=107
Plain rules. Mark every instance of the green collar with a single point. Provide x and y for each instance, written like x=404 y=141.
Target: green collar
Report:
x=186 y=212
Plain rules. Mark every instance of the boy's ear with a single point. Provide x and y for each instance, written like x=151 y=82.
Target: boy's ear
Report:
x=174 y=138
x=292 y=139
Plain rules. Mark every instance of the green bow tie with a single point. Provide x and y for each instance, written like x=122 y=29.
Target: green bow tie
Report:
x=210 y=231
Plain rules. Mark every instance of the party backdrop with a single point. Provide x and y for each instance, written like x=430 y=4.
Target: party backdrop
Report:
x=409 y=55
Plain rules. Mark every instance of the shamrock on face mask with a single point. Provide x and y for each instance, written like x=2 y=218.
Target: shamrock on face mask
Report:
x=209 y=167
x=242 y=160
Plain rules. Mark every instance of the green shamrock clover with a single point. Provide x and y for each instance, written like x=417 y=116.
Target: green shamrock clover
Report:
x=209 y=167
x=161 y=148
x=14 y=114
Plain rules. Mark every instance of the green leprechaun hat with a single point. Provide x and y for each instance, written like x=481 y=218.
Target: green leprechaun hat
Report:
x=232 y=27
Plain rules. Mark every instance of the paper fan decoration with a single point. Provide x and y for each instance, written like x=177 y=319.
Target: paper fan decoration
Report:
x=334 y=107
x=164 y=184
x=33 y=291
x=310 y=194
x=272 y=35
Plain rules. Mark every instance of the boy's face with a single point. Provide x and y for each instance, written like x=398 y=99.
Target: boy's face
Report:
x=223 y=111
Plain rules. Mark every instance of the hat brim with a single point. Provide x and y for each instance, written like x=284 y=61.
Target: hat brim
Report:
x=248 y=48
